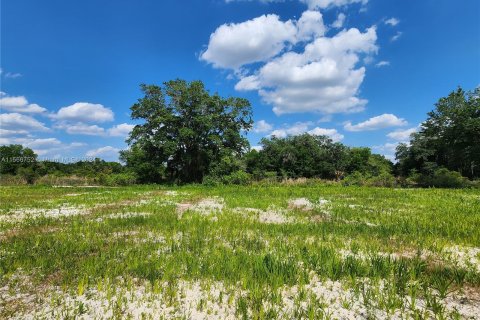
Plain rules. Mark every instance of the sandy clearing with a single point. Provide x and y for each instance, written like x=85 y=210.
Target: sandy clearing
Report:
x=20 y=215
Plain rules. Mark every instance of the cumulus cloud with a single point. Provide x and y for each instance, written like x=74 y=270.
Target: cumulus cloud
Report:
x=43 y=146
x=295 y=129
x=331 y=133
x=262 y=126
x=340 y=21
x=81 y=129
x=120 y=130
x=379 y=122
x=20 y=122
x=392 y=21
x=323 y=78
x=107 y=152
x=402 y=135
x=84 y=112
x=237 y=44
x=297 y=67
x=18 y=104
x=310 y=25
x=387 y=148
x=303 y=127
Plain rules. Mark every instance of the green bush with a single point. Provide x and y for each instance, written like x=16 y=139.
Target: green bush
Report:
x=120 y=179
x=355 y=179
x=444 y=178
x=212 y=181
x=384 y=179
x=239 y=177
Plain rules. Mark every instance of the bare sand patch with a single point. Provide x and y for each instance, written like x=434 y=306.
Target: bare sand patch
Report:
x=20 y=215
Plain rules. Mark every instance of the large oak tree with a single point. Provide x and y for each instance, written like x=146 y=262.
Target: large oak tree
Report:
x=185 y=130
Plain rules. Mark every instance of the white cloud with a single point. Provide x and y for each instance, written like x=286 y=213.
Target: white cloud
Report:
x=262 y=126
x=303 y=127
x=81 y=128
x=19 y=104
x=7 y=133
x=13 y=75
x=321 y=79
x=379 y=122
x=107 y=152
x=296 y=129
x=402 y=135
x=310 y=25
x=388 y=148
x=340 y=21
x=84 y=112
x=42 y=147
x=323 y=4
x=315 y=4
x=19 y=122
x=396 y=36
x=392 y=21
x=331 y=133
x=258 y=148
x=382 y=64
x=42 y=143
x=121 y=130
x=234 y=45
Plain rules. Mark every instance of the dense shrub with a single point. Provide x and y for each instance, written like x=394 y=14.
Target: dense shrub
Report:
x=383 y=179
x=121 y=179
x=443 y=178
x=239 y=177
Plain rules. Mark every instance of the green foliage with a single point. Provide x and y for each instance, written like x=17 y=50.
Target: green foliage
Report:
x=238 y=177
x=118 y=179
x=186 y=130
x=384 y=179
x=147 y=167
x=298 y=156
x=14 y=156
x=450 y=138
x=28 y=174
x=443 y=178
x=308 y=156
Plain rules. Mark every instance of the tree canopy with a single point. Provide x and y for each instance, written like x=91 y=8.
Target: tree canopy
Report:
x=449 y=138
x=184 y=131
x=311 y=156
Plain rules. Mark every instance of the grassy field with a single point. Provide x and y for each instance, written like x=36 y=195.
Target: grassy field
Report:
x=261 y=252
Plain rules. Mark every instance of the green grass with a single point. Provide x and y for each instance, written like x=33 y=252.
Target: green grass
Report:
x=385 y=246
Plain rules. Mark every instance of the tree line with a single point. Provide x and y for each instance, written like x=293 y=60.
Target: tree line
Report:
x=187 y=135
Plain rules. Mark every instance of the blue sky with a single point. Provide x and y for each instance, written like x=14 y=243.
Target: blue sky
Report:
x=364 y=72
